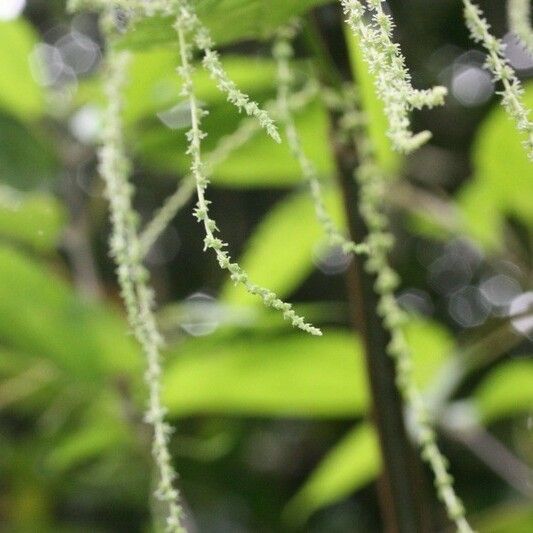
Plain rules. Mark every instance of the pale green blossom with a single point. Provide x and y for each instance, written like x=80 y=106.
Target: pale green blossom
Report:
x=512 y=92
x=519 y=16
x=374 y=28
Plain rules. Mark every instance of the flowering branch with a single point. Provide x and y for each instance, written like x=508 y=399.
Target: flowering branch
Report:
x=392 y=79
x=519 y=16
x=133 y=277
x=283 y=53
x=372 y=188
x=195 y=135
x=502 y=71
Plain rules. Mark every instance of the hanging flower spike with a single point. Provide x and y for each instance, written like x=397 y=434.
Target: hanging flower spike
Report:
x=283 y=54
x=201 y=38
x=392 y=79
x=502 y=71
x=226 y=146
x=519 y=17
x=115 y=169
x=372 y=186
x=195 y=135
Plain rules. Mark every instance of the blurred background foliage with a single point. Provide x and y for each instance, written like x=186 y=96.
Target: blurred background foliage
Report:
x=272 y=427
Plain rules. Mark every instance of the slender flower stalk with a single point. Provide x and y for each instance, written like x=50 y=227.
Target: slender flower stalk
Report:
x=519 y=17
x=283 y=54
x=201 y=37
x=184 y=27
x=166 y=213
x=502 y=71
x=227 y=145
x=235 y=96
x=372 y=187
x=133 y=279
x=392 y=79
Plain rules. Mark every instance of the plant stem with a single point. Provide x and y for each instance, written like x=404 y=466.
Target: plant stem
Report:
x=400 y=490
x=402 y=495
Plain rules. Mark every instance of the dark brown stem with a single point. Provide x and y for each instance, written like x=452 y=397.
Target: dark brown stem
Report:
x=401 y=489
x=402 y=495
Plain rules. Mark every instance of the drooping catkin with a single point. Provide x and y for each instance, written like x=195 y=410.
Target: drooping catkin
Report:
x=519 y=17
x=185 y=28
x=115 y=169
x=372 y=188
x=226 y=146
x=201 y=38
x=502 y=71
x=133 y=279
x=283 y=54
x=392 y=79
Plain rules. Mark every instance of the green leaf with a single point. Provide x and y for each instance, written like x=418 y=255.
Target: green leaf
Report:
x=506 y=391
x=27 y=160
x=154 y=88
x=154 y=85
x=431 y=345
x=507 y=518
x=102 y=430
x=279 y=254
x=41 y=315
x=264 y=164
x=295 y=375
x=356 y=460
x=228 y=20
x=292 y=375
x=502 y=183
x=351 y=464
x=20 y=94
x=35 y=219
x=260 y=162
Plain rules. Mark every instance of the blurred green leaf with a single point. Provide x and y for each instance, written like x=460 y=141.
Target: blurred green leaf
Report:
x=506 y=391
x=292 y=375
x=351 y=464
x=356 y=460
x=154 y=86
x=20 y=94
x=262 y=163
x=502 y=183
x=26 y=159
x=102 y=429
x=431 y=345
x=228 y=20
x=259 y=163
x=35 y=219
x=507 y=518
x=279 y=254
x=41 y=315
x=154 y=89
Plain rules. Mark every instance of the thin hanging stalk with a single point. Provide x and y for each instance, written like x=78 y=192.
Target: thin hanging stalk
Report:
x=392 y=79
x=283 y=54
x=498 y=64
x=184 y=26
x=372 y=187
x=519 y=17
x=115 y=169
x=133 y=278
